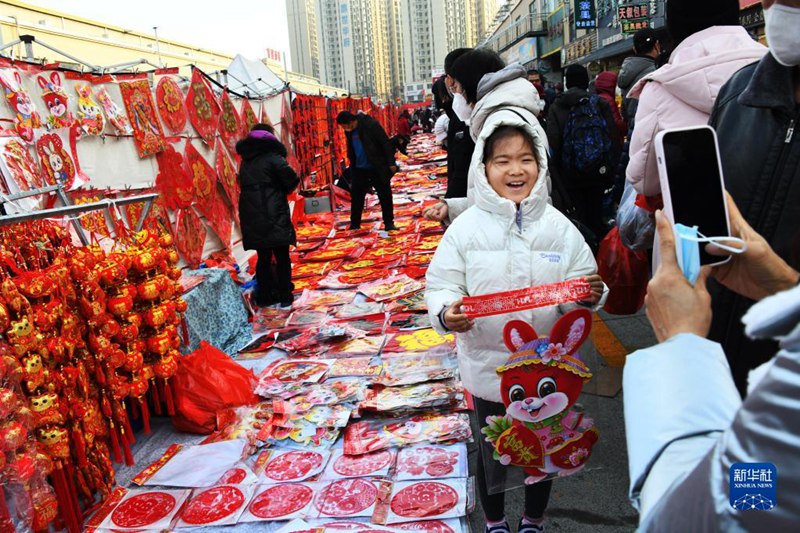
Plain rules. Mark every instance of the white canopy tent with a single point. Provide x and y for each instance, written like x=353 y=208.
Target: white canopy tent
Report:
x=252 y=78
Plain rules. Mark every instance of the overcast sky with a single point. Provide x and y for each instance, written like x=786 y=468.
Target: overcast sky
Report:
x=246 y=27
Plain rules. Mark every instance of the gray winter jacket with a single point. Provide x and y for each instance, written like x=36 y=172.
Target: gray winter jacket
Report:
x=633 y=69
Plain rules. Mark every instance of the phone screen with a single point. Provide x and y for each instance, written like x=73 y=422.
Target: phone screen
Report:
x=695 y=184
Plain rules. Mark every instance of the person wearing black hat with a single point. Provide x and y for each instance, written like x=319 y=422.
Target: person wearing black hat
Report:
x=585 y=149
x=647 y=47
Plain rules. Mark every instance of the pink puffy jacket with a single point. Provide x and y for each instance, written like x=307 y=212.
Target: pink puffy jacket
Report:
x=682 y=93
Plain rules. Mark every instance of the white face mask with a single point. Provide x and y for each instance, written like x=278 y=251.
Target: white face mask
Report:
x=461 y=108
x=782 y=23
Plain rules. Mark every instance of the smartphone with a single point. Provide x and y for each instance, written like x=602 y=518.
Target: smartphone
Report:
x=692 y=185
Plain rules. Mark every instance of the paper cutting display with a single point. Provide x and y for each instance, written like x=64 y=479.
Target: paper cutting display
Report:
x=279 y=502
x=371 y=464
x=171 y=107
x=543 y=430
x=249 y=118
x=347 y=497
x=173 y=182
x=427 y=462
x=228 y=177
x=191 y=236
x=146 y=509
x=18 y=165
x=217 y=506
x=26 y=117
x=414 y=500
x=57 y=163
x=206 y=194
x=116 y=116
x=90 y=115
x=203 y=109
x=294 y=465
x=523 y=299
x=230 y=127
x=431 y=526
x=56 y=101
x=147 y=132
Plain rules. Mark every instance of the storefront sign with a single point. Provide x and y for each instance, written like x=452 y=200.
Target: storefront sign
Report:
x=634 y=17
x=585 y=15
x=752 y=17
x=580 y=48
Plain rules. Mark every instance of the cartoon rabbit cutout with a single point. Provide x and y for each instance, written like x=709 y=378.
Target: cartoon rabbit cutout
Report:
x=115 y=115
x=90 y=115
x=56 y=162
x=543 y=431
x=56 y=100
x=26 y=118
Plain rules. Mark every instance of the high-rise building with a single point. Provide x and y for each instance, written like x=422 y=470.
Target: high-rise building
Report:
x=382 y=48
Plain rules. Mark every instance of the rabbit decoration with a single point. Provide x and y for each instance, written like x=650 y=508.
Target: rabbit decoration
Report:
x=115 y=114
x=90 y=114
x=543 y=431
x=26 y=118
x=56 y=162
x=56 y=100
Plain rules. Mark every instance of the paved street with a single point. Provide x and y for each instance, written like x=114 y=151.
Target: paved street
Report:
x=595 y=500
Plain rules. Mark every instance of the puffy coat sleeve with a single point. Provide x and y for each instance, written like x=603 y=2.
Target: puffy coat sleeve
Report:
x=642 y=170
x=446 y=279
x=582 y=264
x=284 y=174
x=456 y=206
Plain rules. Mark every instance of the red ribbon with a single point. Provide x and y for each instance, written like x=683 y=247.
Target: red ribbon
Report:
x=523 y=299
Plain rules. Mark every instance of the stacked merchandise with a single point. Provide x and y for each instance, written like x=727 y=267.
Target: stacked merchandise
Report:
x=363 y=418
x=83 y=331
x=312 y=125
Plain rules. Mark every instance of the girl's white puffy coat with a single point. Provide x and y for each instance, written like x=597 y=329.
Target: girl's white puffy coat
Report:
x=484 y=251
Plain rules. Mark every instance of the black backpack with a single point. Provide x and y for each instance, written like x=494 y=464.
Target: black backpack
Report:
x=586 y=149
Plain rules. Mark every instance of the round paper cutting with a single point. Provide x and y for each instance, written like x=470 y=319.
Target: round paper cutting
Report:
x=280 y=500
x=143 y=509
x=346 y=497
x=429 y=526
x=296 y=371
x=345 y=526
x=234 y=476
x=293 y=466
x=171 y=107
x=420 y=500
x=362 y=465
x=213 y=505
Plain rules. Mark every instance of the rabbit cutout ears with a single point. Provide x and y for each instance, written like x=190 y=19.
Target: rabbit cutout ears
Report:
x=559 y=350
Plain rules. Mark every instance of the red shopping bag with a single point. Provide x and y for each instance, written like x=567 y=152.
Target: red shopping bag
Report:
x=208 y=381
x=626 y=272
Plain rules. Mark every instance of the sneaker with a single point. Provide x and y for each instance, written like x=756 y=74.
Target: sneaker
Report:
x=529 y=528
x=391 y=227
x=501 y=528
x=287 y=301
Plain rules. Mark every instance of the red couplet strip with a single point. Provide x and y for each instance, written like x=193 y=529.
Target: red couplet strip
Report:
x=523 y=299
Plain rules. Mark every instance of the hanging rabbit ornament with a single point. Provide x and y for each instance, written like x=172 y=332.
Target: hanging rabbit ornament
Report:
x=26 y=118
x=56 y=100
x=57 y=164
x=90 y=114
x=115 y=114
x=543 y=431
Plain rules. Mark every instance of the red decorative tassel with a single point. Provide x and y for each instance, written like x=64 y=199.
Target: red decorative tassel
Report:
x=134 y=410
x=168 y=397
x=185 y=328
x=126 y=425
x=99 y=375
x=126 y=447
x=145 y=414
x=69 y=474
x=115 y=444
x=79 y=445
x=65 y=501
x=156 y=400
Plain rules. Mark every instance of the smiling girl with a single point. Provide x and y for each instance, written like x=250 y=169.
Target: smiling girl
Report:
x=510 y=239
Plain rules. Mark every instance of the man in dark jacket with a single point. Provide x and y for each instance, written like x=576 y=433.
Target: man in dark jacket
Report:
x=372 y=164
x=459 y=142
x=757 y=118
x=647 y=48
x=585 y=189
x=266 y=178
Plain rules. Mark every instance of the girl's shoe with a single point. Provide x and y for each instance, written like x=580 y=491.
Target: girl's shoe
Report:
x=529 y=528
x=500 y=528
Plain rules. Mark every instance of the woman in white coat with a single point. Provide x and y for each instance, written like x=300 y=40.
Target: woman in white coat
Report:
x=512 y=238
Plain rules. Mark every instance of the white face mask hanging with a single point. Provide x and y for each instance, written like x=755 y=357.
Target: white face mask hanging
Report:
x=783 y=33
x=688 y=239
x=461 y=108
